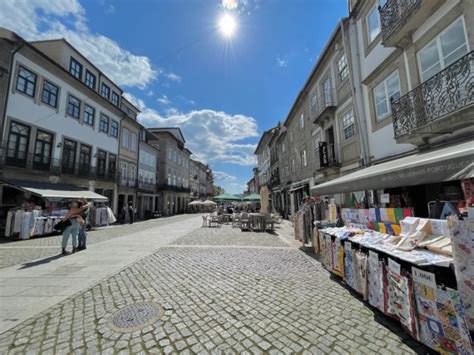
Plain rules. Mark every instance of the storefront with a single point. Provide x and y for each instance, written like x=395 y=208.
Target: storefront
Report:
x=31 y=209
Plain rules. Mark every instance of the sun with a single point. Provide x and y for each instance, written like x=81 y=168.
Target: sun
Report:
x=227 y=25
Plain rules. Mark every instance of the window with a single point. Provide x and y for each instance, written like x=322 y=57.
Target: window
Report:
x=112 y=163
x=26 y=81
x=101 y=162
x=125 y=140
x=75 y=68
x=123 y=171
x=43 y=149
x=293 y=166
x=170 y=154
x=169 y=178
x=18 y=139
x=133 y=142
x=131 y=171
x=373 y=24
x=73 y=106
x=89 y=115
x=446 y=48
x=104 y=123
x=84 y=158
x=114 y=129
x=342 y=68
x=69 y=156
x=115 y=98
x=387 y=89
x=50 y=94
x=303 y=158
x=105 y=91
x=283 y=147
x=327 y=91
x=90 y=80
x=348 y=124
x=314 y=101
x=302 y=120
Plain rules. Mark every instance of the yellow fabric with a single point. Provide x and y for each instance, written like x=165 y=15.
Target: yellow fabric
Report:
x=382 y=228
x=396 y=229
x=391 y=215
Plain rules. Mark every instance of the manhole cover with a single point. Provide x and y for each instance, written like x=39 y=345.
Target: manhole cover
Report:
x=135 y=316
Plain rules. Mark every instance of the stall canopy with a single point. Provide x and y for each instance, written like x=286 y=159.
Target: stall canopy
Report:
x=195 y=203
x=252 y=197
x=226 y=197
x=56 y=191
x=446 y=164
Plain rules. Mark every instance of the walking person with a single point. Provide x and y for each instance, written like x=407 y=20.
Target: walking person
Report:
x=131 y=213
x=82 y=236
x=74 y=216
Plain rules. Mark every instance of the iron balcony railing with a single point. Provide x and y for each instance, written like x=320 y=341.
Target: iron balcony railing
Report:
x=326 y=155
x=126 y=181
x=322 y=103
x=167 y=187
x=449 y=91
x=394 y=14
x=146 y=186
x=42 y=163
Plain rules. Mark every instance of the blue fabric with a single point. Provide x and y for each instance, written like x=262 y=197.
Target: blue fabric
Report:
x=72 y=230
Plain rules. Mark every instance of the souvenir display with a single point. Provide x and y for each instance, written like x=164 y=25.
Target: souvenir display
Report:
x=375 y=274
x=360 y=274
x=441 y=319
x=348 y=264
x=338 y=257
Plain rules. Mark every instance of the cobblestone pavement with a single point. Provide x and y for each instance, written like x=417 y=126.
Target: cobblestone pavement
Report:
x=13 y=252
x=212 y=299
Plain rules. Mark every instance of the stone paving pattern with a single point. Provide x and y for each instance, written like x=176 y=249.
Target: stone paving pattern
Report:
x=13 y=252
x=216 y=300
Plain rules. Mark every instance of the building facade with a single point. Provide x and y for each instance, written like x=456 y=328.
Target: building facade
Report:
x=147 y=196
x=58 y=128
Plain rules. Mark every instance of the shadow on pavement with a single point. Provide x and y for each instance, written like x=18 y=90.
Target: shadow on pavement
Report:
x=41 y=262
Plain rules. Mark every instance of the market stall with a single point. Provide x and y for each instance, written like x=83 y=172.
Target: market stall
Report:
x=43 y=205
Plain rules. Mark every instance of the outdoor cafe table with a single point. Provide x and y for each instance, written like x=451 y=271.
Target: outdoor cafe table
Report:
x=257 y=221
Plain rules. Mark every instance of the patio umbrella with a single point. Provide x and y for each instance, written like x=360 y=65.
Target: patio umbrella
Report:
x=226 y=197
x=195 y=203
x=209 y=203
x=252 y=197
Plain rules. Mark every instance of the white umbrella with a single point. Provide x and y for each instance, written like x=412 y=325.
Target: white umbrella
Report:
x=209 y=203
x=195 y=203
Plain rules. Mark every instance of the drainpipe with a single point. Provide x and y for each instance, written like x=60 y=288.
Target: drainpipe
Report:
x=359 y=108
x=10 y=74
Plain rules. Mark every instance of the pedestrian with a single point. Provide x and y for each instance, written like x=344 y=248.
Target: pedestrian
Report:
x=82 y=240
x=131 y=213
x=74 y=216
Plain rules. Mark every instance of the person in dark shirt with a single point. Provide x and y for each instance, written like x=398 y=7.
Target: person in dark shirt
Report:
x=131 y=213
x=82 y=236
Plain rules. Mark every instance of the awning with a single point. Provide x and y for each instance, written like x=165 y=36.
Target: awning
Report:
x=56 y=191
x=447 y=164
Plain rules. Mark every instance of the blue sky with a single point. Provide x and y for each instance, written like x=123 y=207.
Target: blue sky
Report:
x=174 y=63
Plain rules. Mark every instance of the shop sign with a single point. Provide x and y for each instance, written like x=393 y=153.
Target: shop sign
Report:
x=323 y=154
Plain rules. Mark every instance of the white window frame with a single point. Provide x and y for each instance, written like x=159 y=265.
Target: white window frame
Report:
x=125 y=138
x=344 y=73
x=344 y=126
x=133 y=142
x=438 y=46
x=369 y=39
x=304 y=161
x=302 y=120
x=387 y=99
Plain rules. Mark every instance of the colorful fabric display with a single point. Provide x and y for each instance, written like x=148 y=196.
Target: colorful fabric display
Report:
x=348 y=264
x=463 y=254
x=338 y=258
x=377 y=215
x=407 y=212
x=383 y=215
x=391 y=215
x=398 y=214
x=396 y=229
x=360 y=274
x=381 y=228
x=375 y=281
x=388 y=228
x=372 y=215
x=400 y=297
x=441 y=318
x=371 y=225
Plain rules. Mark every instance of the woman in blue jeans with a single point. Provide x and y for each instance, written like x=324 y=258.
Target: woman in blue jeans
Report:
x=74 y=215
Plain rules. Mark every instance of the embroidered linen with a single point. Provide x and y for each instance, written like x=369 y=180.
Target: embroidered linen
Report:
x=348 y=264
x=338 y=257
x=375 y=281
x=360 y=274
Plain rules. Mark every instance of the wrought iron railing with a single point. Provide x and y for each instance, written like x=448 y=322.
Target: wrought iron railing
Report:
x=46 y=164
x=126 y=181
x=167 y=187
x=146 y=186
x=326 y=155
x=394 y=14
x=446 y=92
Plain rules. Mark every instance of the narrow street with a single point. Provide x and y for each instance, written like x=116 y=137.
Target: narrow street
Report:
x=182 y=288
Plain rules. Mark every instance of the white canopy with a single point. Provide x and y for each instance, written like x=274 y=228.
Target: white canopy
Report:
x=446 y=164
x=209 y=203
x=195 y=203
x=57 y=191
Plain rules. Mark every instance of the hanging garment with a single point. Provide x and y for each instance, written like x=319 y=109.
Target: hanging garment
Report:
x=48 y=226
x=39 y=226
x=338 y=257
x=375 y=274
x=9 y=224
x=27 y=225
x=110 y=216
x=18 y=221
x=348 y=264
x=398 y=214
x=360 y=274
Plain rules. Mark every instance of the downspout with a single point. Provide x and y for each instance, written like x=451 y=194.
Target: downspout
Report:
x=358 y=105
x=10 y=74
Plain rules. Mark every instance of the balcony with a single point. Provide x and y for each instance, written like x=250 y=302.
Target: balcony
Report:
x=125 y=181
x=324 y=105
x=146 y=186
x=167 y=187
x=326 y=156
x=46 y=165
x=399 y=18
x=442 y=104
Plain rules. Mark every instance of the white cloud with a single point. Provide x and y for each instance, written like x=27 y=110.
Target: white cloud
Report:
x=164 y=100
x=223 y=176
x=173 y=77
x=282 y=62
x=45 y=19
x=135 y=100
x=149 y=93
x=172 y=111
x=212 y=136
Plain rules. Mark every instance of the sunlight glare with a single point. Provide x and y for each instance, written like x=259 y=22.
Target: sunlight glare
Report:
x=227 y=25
